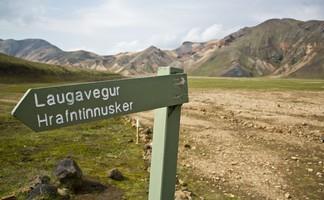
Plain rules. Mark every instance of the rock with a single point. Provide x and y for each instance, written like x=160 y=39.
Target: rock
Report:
x=230 y=195
x=148 y=138
x=182 y=195
x=43 y=191
x=322 y=138
x=34 y=182
x=69 y=173
x=294 y=158
x=40 y=179
x=234 y=163
x=147 y=131
x=182 y=183
x=287 y=195
x=116 y=175
x=147 y=146
x=319 y=174
x=187 y=165
x=310 y=170
x=65 y=192
x=9 y=197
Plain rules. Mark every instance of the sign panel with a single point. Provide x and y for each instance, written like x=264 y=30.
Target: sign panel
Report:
x=54 y=107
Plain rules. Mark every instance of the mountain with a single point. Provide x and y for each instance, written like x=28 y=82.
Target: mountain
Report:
x=144 y=62
x=42 y=51
x=276 y=47
x=14 y=69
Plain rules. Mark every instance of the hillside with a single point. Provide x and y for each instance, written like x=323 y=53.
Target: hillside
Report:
x=146 y=61
x=18 y=70
x=276 y=48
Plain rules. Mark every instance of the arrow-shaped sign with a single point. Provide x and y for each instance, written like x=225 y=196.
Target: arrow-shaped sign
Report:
x=53 y=107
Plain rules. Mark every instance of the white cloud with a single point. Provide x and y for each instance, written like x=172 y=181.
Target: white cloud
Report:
x=194 y=34
x=214 y=31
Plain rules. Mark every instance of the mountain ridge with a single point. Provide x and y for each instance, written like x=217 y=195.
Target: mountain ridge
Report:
x=13 y=69
x=276 y=47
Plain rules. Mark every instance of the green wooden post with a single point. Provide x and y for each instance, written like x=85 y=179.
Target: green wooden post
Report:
x=165 y=148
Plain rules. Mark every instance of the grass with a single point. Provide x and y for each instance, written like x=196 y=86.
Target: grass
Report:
x=97 y=147
x=15 y=70
x=256 y=84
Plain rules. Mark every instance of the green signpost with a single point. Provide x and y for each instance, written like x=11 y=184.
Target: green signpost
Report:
x=54 y=107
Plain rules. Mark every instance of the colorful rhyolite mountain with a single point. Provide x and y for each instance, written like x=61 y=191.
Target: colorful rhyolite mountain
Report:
x=276 y=47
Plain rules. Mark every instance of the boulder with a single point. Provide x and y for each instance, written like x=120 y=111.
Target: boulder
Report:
x=39 y=180
x=69 y=174
x=44 y=192
x=116 y=175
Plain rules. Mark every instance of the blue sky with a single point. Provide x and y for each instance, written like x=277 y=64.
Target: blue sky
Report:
x=111 y=26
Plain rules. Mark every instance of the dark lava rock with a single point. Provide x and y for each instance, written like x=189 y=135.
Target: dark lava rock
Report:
x=69 y=173
x=40 y=180
x=44 y=192
x=116 y=175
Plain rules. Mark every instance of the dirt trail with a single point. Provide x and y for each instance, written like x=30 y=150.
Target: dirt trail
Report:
x=255 y=145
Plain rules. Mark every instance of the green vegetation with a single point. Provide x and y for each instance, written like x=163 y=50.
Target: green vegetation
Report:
x=15 y=70
x=97 y=147
x=255 y=83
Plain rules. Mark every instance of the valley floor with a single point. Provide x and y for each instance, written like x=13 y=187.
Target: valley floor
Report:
x=252 y=144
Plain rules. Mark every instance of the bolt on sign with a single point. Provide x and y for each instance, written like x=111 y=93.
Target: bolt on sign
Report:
x=59 y=106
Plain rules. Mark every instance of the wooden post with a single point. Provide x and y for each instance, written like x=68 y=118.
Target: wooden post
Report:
x=165 y=148
x=137 y=130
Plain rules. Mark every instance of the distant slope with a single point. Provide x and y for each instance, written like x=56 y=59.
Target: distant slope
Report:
x=276 y=48
x=42 y=51
x=144 y=62
x=18 y=70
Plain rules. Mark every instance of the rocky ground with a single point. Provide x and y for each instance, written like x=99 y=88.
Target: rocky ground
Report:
x=253 y=145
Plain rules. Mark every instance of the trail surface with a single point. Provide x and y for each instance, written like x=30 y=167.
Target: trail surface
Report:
x=254 y=145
